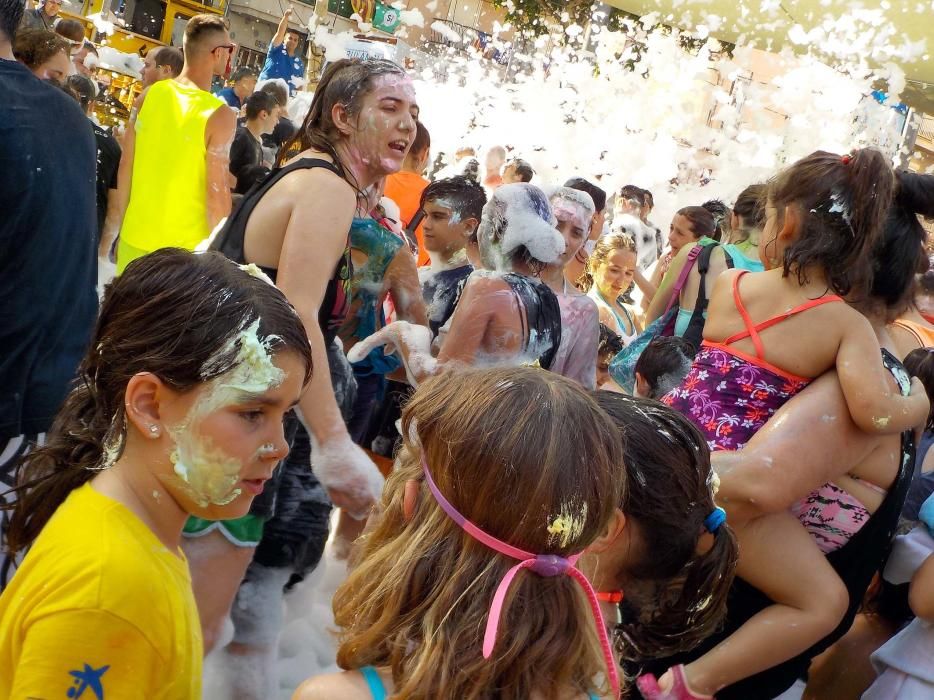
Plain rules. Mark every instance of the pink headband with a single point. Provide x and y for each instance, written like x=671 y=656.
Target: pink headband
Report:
x=541 y=564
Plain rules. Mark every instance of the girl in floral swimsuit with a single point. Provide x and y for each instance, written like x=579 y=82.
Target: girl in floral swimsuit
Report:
x=824 y=216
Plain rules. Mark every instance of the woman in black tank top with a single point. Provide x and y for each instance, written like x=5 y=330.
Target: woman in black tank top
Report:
x=359 y=128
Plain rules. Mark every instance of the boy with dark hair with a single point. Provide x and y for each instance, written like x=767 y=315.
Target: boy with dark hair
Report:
x=246 y=153
x=242 y=84
x=608 y=347
x=453 y=208
x=662 y=365
x=284 y=129
x=282 y=57
x=517 y=170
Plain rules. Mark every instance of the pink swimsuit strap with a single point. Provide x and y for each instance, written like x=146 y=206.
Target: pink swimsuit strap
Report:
x=752 y=330
x=541 y=564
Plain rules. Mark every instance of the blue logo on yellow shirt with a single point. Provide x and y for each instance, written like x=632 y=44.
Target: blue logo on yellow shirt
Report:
x=88 y=678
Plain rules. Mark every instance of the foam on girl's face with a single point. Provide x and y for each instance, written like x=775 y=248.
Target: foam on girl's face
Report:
x=206 y=471
x=575 y=205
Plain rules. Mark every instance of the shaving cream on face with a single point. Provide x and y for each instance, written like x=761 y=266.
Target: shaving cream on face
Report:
x=208 y=473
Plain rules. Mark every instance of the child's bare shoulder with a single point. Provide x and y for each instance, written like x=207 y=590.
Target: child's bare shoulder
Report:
x=348 y=685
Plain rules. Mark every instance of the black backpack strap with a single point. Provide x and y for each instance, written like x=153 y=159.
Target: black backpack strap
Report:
x=695 y=330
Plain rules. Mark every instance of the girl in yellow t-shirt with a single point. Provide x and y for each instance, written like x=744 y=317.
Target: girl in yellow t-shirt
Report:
x=178 y=410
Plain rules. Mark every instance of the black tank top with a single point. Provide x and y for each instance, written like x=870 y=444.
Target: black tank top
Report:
x=230 y=242
x=541 y=325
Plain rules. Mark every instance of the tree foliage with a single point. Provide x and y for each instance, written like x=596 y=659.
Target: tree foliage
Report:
x=536 y=17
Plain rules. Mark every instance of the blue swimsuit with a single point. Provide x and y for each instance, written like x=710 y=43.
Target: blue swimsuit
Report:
x=378 y=690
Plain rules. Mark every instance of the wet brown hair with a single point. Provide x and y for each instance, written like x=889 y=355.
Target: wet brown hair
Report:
x=168 y=313
x=750 y=206
x=843 y=202
x=71 y=29
x=674 y=596
x=345 y=82
x=34 y=47
x=171 y=57
x=701 y=220
x=512 y=449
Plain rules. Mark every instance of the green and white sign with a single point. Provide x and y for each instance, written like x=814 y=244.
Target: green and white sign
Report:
x=386 y=18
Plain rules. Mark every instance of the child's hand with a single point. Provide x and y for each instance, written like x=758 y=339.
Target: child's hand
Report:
x=351 y=478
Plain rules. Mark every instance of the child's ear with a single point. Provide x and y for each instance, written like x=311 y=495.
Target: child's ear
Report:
x=614 y=529
x=642 y=386
x=142 y=398
x=791 y=225
x=470 y=226
x=410 y=499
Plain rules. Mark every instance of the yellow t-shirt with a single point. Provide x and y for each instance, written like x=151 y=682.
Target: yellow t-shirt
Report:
x=99 y=610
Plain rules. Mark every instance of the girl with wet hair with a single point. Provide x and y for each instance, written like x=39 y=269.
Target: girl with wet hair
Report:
x=506 y=314
x=666 y=562
x=452 y=555
x=178 y=410
x=609 y=273
x=825 y=214
x=710 y=260
x=295 y=226
x=690 y=227
x=915 y=326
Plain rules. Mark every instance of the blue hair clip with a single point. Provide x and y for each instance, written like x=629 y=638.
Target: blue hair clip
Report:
x=713 y=521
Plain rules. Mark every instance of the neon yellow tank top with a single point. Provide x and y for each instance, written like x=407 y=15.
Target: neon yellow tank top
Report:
x=168 y=191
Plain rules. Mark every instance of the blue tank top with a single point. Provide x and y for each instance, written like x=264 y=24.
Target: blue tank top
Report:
x=378 y=690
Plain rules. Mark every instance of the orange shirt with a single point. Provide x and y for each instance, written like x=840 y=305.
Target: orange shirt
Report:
x=405 y=189
x=923 y=334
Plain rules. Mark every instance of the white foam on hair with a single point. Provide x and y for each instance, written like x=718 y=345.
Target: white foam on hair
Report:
x=511 y=215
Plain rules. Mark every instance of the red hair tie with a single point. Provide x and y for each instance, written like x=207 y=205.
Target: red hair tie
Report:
x=846 y=160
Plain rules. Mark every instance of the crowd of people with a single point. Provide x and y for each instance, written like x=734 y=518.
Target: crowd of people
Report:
x=573 y=457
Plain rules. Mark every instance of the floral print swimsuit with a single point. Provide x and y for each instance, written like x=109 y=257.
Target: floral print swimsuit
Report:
x=730 y=394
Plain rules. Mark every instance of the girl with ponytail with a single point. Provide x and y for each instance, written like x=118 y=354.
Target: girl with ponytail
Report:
x=824 y=216
x=664 y=572
x=178 y=410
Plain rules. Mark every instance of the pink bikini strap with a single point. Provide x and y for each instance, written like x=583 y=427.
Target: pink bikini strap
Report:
x=541 y=564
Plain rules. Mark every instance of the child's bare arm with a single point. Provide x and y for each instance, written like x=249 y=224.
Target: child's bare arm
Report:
x=779 y=558
x=875 y=407
x=470 y=320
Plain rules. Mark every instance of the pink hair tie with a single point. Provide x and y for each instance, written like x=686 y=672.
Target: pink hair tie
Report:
x=542 y=564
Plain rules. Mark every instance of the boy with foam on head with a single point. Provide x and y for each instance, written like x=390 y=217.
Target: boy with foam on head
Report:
x=453 y=208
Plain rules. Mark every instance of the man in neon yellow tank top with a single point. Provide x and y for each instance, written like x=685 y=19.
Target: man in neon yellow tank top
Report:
x=173 y=180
